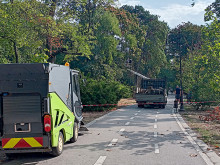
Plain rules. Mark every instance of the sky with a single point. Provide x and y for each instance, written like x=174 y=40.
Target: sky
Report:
x=174 y=12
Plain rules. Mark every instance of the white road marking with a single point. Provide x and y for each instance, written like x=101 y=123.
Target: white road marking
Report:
x=136 y=114
x=157 y=151
x=155 y=134
x=113 y=142
x=101 y=160
x=132 y=118
x=121 y=130
x=127 y=123
x=155 y=120
x=192 y=141
x=155 y=125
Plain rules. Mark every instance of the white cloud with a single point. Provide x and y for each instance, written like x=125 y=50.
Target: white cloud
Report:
x=130 y=2
x=176 y=14
x=173 y=12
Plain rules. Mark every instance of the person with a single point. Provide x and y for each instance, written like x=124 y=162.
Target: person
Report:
x=177 y=93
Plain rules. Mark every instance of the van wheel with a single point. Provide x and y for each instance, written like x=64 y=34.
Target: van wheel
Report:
x=75 y=133
x=56 y=151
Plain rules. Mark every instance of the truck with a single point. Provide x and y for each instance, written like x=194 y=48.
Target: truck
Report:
x=40 y=107
x=152 y=92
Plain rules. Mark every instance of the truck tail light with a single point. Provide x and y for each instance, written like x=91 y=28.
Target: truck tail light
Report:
x=47 y=123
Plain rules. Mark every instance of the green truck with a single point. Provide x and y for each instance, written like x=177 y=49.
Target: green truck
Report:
x=40 y=107
x=152 y=92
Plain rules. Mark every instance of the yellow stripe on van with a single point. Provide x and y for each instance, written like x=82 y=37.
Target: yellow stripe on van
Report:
x=12 y=142
x=32 y=142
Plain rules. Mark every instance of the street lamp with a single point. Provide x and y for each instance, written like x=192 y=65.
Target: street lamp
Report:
x=181 y=86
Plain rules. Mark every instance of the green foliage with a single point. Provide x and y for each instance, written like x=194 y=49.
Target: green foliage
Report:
x=200 y=50
x=95 y=92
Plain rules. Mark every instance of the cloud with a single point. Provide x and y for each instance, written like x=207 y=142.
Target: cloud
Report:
x=130 y=2
x=175 y=14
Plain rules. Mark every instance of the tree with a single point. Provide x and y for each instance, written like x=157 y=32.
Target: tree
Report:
x=21 y=30
x=213 y=11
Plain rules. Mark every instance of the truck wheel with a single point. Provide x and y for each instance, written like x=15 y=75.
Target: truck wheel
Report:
x=140 y=106
x=56 y=151
x=75 y=133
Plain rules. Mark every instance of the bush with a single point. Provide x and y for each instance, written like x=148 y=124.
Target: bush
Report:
x=95 y=92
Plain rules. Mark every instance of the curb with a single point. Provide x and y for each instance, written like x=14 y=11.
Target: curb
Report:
x=199 y=144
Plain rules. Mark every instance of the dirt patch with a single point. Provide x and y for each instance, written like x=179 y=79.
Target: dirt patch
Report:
x=90 y=116
x=208 y=131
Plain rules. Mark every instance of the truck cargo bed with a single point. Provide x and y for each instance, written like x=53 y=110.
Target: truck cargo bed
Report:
x=142 y=97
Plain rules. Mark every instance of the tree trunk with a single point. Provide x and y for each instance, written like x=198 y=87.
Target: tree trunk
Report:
x=16 y=51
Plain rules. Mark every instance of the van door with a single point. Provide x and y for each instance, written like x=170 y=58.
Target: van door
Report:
x=22 y=115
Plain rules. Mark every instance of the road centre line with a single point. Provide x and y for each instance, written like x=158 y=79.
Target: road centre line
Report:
x=155 y=134
x=113 y=142
x=132 y=118
x=101 y=160
x=127 y=123
x=155 y=125
x=157 y=151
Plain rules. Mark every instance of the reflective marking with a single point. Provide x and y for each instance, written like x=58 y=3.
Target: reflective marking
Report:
x=113 y=142
x=32 y=142
x=155 y=125
x=127 y=123
x=121 y=130
x=155 y=134
x=157 y=151
x=132 y=118
x=101 y=160
x=12 y=142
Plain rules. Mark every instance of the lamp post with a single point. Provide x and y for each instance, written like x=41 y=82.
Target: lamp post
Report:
x=181 y=86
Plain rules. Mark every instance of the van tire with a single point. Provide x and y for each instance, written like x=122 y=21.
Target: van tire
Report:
x=56 y=151
x=75 y=133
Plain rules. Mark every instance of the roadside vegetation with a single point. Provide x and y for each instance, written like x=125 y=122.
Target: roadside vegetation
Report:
x=206 y=123
x=102 y=41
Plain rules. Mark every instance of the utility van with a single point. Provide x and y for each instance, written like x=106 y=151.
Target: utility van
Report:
x=40 y=107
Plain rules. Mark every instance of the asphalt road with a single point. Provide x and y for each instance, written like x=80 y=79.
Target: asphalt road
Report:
x=128 y=136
